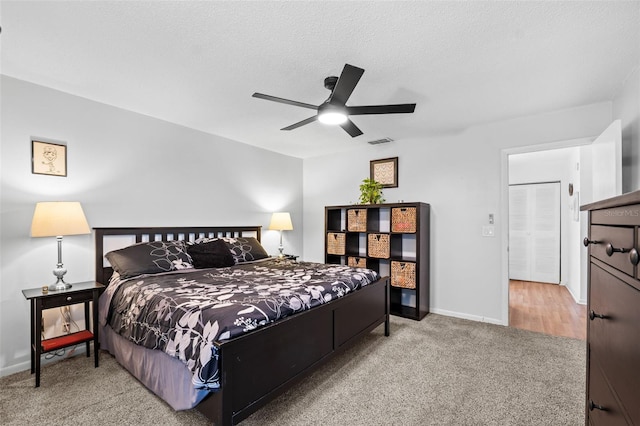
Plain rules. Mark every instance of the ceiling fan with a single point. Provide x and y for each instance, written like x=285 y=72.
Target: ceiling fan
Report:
x=334 y=110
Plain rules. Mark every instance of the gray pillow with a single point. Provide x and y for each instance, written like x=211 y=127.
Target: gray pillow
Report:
x=246 y=249
x=149 y=258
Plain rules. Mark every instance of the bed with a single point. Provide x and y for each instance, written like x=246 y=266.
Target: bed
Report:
x=255 y=366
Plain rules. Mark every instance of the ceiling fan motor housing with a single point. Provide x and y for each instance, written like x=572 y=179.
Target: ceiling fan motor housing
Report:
x=330 y=82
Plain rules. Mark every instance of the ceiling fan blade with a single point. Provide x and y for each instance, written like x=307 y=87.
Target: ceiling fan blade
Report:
x=345 y=85
x=351 y=128
x=301 y=123
x=284 y=101
x=381 y=109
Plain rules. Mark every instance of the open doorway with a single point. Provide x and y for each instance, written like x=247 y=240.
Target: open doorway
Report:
x=544 y=235
x=597 y=175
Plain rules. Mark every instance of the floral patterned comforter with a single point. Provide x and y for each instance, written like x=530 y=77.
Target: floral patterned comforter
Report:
x=184 y=313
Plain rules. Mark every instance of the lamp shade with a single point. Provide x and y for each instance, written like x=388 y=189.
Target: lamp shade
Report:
x=281 y=221
x=59 y=218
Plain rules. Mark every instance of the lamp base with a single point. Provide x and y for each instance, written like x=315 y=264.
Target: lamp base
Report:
x=59 y=272
x=59 y=286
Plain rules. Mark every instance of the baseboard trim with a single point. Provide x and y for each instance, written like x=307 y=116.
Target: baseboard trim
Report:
x=477 y=318
x=26 y=365
x=575 y=298
x=15 y=368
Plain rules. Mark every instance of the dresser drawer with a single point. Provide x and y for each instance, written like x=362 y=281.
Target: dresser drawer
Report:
x=602 y=408
x=623 y=215
x=614 y=343
x=66 y=299
x=617 y=238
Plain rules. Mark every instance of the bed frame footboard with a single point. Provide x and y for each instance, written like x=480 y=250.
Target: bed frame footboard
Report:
x=259 y=366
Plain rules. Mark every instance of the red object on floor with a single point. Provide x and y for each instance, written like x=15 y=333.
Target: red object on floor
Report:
x=66 y=340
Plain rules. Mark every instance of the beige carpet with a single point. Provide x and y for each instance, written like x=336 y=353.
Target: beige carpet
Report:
x=439 y=371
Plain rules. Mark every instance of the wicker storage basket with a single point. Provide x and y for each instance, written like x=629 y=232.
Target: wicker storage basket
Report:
x=378 y=245
x=335 y=243
x=403 y=219
x=357 y=262
x=403 y=274
x=357 y=220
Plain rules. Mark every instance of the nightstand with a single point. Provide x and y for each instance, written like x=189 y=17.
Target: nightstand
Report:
x=293 y=257
x=84 y=292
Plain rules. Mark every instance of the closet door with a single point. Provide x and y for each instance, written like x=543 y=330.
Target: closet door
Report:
x=534 y=232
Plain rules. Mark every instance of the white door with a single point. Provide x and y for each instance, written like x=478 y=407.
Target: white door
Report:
x=534 y=232
x=606 y=155
x=605 y=182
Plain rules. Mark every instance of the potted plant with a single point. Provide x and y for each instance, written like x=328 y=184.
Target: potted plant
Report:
x=370 y=192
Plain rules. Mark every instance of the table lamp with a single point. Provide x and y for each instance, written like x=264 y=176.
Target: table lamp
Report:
x=57 y=219
x=281 y=221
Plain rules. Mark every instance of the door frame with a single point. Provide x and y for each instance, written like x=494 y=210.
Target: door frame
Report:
x=504 y=205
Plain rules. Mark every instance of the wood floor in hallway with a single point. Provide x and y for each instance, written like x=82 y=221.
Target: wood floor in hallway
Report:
x=546 y=308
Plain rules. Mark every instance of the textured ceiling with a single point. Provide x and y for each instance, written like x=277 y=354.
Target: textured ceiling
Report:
x=197 y=63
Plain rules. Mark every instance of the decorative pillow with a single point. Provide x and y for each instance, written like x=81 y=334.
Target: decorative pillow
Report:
x=149 y=258
x=202 y=240
x=246 y=249
x=213 y=253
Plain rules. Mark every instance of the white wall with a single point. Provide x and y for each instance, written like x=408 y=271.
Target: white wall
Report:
x=626 y=106
x=460 y=176
x=550 y=166
x=127 y=170
x=125 y=167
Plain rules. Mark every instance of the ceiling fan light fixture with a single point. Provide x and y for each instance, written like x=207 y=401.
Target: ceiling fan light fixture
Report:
x=334 y=111
x=332 y=117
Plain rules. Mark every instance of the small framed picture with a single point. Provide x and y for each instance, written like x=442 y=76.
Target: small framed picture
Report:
x=385 y=172
x=48 y=158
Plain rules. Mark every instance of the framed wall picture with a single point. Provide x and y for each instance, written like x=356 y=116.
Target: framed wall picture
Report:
x=48 y=158
x=385 y=172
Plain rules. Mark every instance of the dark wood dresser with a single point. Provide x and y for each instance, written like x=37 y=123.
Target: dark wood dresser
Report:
x=613 y=327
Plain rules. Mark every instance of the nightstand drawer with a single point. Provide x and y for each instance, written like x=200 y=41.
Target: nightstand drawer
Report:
x=66 y=299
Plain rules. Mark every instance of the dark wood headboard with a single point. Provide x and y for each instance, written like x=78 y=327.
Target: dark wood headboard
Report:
x=168 y=233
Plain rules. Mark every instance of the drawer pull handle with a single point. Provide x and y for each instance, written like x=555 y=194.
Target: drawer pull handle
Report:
x=593 y=405
x=593 y=315
x=633 y=256
x=611 y=249
x=587 y=241
x=68 y=298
